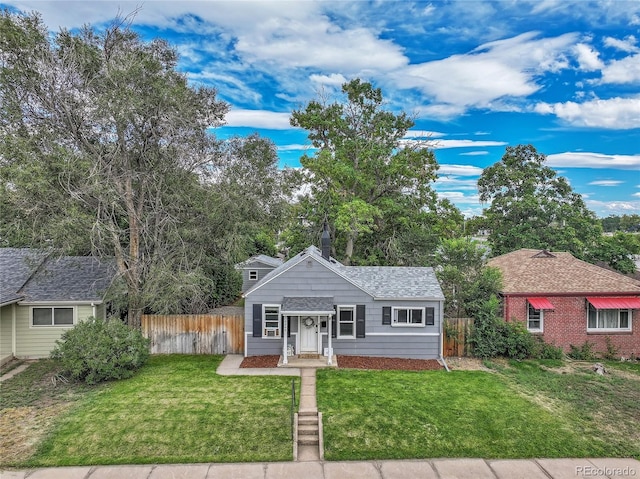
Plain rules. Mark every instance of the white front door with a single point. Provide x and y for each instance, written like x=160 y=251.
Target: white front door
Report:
x=308 y=334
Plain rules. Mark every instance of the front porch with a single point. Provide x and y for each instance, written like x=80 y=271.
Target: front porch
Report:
x=307 y=361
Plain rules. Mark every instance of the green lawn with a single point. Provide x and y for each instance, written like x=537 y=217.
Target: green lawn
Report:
x=175 y=410
x=515 y=413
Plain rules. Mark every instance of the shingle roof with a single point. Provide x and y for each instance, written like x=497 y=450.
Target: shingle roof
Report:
x=31 y=275
x=16 y=266
x=381 y=282
x=396 y=282
x=533 y=271
x=321 y=304
x=70 y=278
x=260 y=258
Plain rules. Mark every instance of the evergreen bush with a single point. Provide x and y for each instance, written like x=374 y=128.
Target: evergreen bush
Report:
x=97 y=350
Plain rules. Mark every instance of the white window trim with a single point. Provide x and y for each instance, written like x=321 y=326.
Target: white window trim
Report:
x=541 y=328
x=57 y=326
x=394 y=315
x=253 y=275
x=611 y=330
x=352 y=308
x=264 y=321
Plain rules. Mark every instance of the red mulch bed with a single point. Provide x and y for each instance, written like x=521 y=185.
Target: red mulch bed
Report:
x=366 y=362
x=260 y=361
x=354 y=362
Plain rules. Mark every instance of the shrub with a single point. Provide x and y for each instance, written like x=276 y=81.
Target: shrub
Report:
x=582 y=353
x=612 y=351
x=542 y=350
x=97 y=350
x=487 y=338
x=518 y=342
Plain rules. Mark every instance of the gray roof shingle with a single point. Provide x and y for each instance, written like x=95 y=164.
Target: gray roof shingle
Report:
x=381 y=282
x=16 y=266
x=70 y=278
x=33 y=275
x=321 y=304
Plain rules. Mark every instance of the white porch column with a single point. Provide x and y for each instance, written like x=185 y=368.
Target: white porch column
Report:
x=285 y=359
x=329 y=352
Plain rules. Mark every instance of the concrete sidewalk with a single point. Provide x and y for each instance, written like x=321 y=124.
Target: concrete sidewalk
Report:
x=423 y=469
x=230 y=366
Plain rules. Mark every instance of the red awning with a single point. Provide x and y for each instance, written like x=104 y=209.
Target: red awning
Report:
x=615 y=303
x=540 y=303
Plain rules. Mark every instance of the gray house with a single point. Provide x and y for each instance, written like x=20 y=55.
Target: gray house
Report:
x=41 y=296
x=314 y=305
x=256 y=268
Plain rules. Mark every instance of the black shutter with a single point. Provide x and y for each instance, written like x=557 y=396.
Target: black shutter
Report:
x=430 y=317
x=386 y=315
x=288 y=325
x=334 y=322
x=257 y=320
x=360 y=320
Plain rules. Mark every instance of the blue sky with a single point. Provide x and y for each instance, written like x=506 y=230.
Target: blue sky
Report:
x=477 y=76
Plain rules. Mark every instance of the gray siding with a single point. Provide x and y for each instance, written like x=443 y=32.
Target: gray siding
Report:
x=311 y=278
x=262 y=270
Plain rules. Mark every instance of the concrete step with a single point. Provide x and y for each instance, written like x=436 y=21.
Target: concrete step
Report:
x=308 y=430
x=308 y=421
x=308 y=412
x=308 y=440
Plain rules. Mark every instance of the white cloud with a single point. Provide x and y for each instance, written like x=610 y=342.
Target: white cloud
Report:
x=594 y=160
x=444 y=144
x=475 y=153
x=459 y=197
x=626 y=70
x=615 y=113
x=423 y=134
x=258 y=119
x=626 y=45
x=508 y=67
x=606 y=183
x=459 y=170
x=335 y=79
x=588 y=58
x=295 y=147
x=605 y=208
x=636 y=194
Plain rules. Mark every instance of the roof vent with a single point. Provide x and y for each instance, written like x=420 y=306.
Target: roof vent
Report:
x=544 y=254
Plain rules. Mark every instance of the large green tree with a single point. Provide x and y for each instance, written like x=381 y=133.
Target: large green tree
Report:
x=374 y=190
x=116 y=131
x=465 y=278
x=532 y=207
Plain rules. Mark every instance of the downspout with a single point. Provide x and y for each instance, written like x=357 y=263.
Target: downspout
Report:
x=94 y=311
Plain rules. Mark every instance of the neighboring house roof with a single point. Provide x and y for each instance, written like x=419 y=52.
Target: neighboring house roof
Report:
x=33 y=276
x=534 y=271
x=260 y=258
x=381 y=282
x=16 y=267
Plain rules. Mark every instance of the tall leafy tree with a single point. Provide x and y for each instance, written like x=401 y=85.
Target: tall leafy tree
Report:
x=374 y=190
x=532 y=207
x=117 y=129
x=465 y=278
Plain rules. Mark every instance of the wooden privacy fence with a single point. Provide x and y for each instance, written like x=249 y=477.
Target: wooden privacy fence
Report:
x=194 y=333
x=456 y=334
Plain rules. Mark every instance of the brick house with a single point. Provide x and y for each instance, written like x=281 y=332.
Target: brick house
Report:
x=568 y=301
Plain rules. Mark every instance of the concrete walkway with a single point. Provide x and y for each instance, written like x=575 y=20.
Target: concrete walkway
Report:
x=230 y=366
x=426 y=469
x=14 y=371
